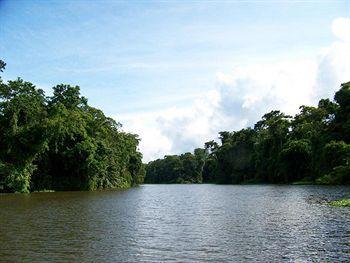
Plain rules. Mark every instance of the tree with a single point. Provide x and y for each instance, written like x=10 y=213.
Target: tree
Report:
x=335 y=163
x=295 y=160
x=62 y=143
x=312 y=146
x=2 y=65
x=272 y=133
x=22 y=128
x=314 y=125
x=342 y=116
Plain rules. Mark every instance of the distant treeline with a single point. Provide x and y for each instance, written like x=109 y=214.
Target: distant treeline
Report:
x=312 y=147
x=61 y=143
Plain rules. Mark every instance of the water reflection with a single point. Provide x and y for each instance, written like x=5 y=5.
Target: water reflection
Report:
x=177 y=222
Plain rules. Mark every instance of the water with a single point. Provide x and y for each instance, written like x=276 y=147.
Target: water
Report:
x=183 y=223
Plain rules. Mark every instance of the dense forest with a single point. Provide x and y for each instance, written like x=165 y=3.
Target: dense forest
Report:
x=61 y=143
x=311 y=147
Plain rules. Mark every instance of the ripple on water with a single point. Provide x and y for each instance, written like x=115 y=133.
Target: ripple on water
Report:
x=185 y=223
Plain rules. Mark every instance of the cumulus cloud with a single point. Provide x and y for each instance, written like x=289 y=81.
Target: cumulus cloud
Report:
x=341 y=28
x=243 y=95
x=334 y=61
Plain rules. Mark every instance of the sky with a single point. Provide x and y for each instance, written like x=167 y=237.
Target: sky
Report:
x=178 y=72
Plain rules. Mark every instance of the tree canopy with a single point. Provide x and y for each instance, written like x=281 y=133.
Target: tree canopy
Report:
x=313 y=146
x=61 y=143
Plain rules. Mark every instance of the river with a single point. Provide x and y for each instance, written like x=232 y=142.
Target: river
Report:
x=183 y=223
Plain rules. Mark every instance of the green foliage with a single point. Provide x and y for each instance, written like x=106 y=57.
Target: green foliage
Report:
x=235 y=157
x=342 y=118
x=341 y=203
x=335 y=153
x=295 y=160
x=62 y=143
x=2 y=65
x=17 y=179
x=339 y=175
x=186 y=168
x=272 y=133
x=312 y=147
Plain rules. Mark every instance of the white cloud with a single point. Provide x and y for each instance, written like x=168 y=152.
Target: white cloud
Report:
x=153 y=142
x=334 y=61
x=341 y=28
x=242 y=96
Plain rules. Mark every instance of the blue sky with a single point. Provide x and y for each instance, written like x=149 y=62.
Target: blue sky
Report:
x=136 y=57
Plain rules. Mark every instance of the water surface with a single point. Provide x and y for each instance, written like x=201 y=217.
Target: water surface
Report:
x=183 y=223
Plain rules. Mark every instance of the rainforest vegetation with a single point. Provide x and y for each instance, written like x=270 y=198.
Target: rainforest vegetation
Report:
x=61 y=143
x=311 y=147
